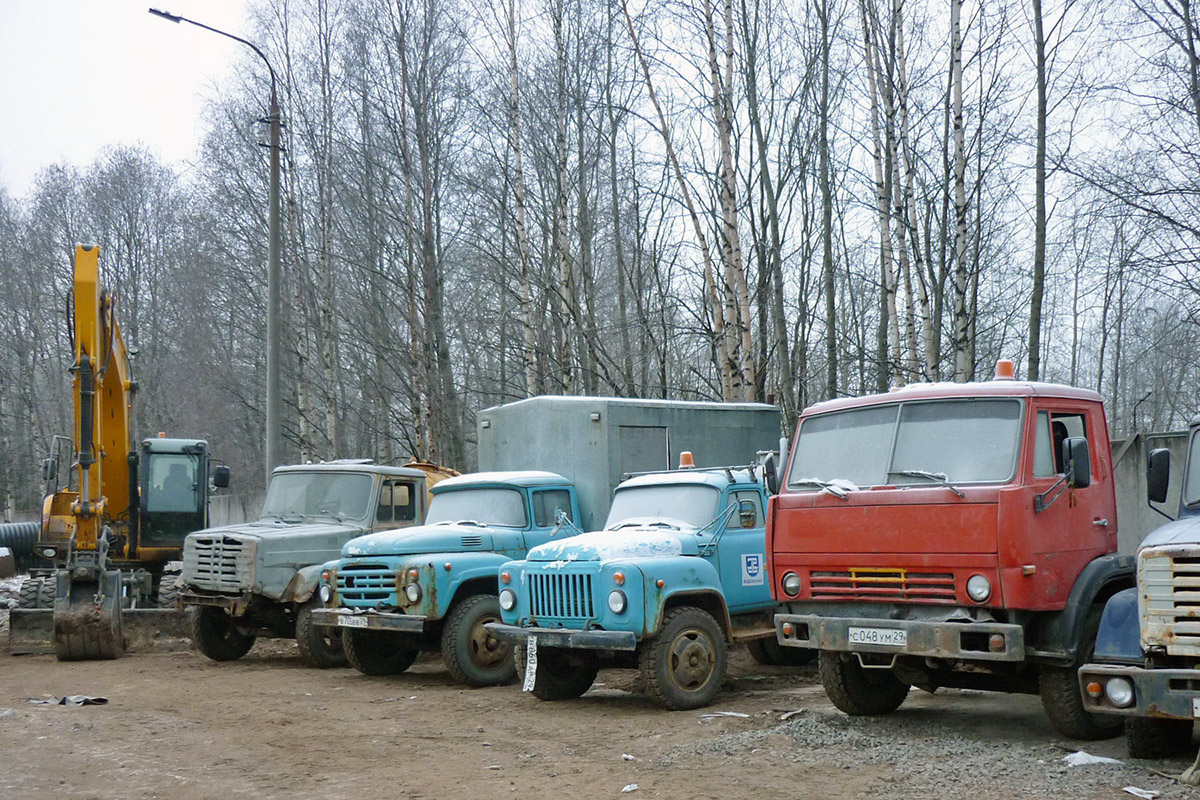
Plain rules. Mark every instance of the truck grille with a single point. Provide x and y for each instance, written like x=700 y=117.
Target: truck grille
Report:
x=219 y=563
x=1169 y=599
x=560 y=596
x=367 y=585
x=872 y=583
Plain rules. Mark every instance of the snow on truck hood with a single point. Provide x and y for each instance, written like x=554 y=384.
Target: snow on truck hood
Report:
x=421 y=539
x=275 y=529
x=616 y=545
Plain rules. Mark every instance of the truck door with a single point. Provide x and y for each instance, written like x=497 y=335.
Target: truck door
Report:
x=742 y=553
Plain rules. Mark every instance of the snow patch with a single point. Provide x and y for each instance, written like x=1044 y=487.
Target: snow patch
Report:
x=610 y=546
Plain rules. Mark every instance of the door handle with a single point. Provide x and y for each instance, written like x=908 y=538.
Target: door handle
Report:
x=1100 y=523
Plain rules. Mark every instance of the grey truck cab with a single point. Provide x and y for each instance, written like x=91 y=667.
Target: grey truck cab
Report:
x=433 y=587
x=1146 y=666
x=260 y=578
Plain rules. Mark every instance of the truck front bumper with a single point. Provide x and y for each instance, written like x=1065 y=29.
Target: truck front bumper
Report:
x=369 y=620
x=973 y=641
x=1163 y=693
x=234 y=604
x=567 y=638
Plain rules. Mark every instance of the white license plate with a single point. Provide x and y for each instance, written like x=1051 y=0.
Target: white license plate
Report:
x=530 y=664
x=887 y=637
x=347 y=621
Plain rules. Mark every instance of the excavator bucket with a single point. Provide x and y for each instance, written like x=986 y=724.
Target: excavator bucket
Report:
x=86 y=624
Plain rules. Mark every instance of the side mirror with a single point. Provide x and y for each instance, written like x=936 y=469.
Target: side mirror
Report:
x=220 y=477
x=49 y=469
x=1158 y=475
x=1078 y=462
x=771 y=474
x=748 y=513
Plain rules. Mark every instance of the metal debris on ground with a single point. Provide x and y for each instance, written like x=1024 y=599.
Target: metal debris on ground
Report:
x=629 y=787
x=627 y=757
x=785 y=716
x=69 y=700
x=1145 y=794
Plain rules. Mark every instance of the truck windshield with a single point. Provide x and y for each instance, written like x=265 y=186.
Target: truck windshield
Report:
x=319 y=494
x=954 y=441
x=503 y=507
x=1191 y=479
x=691 y=506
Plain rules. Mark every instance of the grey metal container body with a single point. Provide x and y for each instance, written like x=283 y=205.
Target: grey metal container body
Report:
x=593 y=441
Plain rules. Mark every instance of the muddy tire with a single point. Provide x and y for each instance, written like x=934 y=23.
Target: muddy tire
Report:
x=472 y=654
x=319 y=647
x=1061 y=696
x=36 y=593
x=683 y=665
x=217 y=637
x=168 y=590
x=560 y=676
x=377 y=652
x=1147 y=737
x=857 y=691
x=768 y=651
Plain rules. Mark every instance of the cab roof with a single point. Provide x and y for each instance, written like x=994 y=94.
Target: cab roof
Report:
x=715 y=477
x=353 y=466
x=950 y=391
x=519 y=478
x=161 y=444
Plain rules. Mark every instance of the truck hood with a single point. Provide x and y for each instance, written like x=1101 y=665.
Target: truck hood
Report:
x=267 y=529
x=424 y=539
x=1185 y=530
x=626 y=543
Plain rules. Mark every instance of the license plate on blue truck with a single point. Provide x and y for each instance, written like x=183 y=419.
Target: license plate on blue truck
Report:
x=886 y=637
x=347 y=621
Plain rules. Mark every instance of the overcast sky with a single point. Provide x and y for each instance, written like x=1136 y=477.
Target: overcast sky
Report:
x=78 y=75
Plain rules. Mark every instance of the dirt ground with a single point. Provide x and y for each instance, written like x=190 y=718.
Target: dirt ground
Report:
x=180 y=726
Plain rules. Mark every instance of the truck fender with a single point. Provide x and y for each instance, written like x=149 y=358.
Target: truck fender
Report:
x=470 y=570
x=1099 y=580
x=687 y=580
x=302 y=584
x=1120 y=638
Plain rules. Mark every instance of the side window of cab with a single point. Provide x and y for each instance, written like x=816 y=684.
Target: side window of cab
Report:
x=1052 y=429
x=749 y=513
x=546 y=505
x=397 y=504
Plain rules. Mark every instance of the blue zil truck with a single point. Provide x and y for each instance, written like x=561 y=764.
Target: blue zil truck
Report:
x=1146 y=665
x=676 y=575
x=551 y=464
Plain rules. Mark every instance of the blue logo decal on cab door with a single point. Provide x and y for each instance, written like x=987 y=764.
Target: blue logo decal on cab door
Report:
x=752 y=569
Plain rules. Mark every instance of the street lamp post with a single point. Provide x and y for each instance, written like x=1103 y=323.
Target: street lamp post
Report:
x=274 y=443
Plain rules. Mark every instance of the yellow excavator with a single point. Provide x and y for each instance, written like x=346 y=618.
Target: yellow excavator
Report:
x=116 y=521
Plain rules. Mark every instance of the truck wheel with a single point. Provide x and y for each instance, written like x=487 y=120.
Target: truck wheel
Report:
x=319 y=647
x=473 y=654
x=769 y=652
x=37 y=593
x=1061 y=697
x=683 y=665
x=168 y=590
x=377 y=652
x=217 y=637
x=858 y=691
x=559 y=676
x=1147 y=737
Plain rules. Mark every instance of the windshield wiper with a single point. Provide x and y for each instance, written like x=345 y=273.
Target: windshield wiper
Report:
x=826 y=486
x=938 y=477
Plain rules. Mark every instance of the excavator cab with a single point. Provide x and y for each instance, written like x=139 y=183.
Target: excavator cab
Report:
x=174 y=481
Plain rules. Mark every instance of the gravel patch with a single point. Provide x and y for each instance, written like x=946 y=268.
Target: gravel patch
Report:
x=930 y=762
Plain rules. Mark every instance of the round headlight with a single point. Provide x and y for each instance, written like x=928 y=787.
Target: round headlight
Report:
x=508 y=600
x=49 y=552
x=413 y=592
x=791 y=584
x=617 y=601
x=1119 y=692
x=979 y=588
x=326 y=592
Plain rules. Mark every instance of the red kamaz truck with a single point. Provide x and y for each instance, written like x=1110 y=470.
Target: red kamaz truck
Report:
x=950 y=535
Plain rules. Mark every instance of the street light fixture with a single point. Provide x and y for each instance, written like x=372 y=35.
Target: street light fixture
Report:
x=274 y=443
